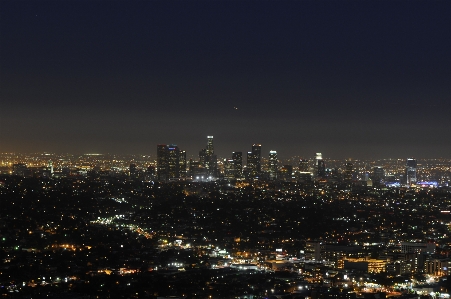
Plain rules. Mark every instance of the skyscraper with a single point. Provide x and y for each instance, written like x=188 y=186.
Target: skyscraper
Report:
x=208 y=159
x=254 y=161
x=173 y=153
x=411 y=171
x=169 y=162
x=210 y=147
x=348 y=172
x=272 y=167
x=378 y=175
x=182 y=164
x=303 y=165
x=203 y=157
x=237 y=158
x=320 y=166
x=162 y=162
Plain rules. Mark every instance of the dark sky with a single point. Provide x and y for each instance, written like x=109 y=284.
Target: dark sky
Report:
x=350 y=79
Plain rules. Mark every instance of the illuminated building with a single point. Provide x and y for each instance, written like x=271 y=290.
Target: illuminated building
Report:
x=303 y=165
x=182 y=164
x=210 y=147
x=437 y=267
x=229 y=173
x=170 y=160
x=411 y=171
x=312 y=250
x=208 y=159
x=367 y=265
x=272 y=165
x=254 y=161
x=237 y=160
x=320 y=166
x=203 y=157
x=348 y=172
x=411 y=247
x=378 y=175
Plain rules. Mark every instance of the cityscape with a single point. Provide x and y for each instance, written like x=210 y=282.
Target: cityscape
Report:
x=197 y=149
x=245 y=226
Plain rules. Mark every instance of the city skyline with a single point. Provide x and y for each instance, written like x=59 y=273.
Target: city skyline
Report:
x=350 y=79
x=194 y=153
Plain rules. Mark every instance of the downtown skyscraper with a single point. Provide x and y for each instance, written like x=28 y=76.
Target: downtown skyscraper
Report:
x=171 y=162
x=253 y=167
x=208 y=159
x=272 y=167
x=411 y=171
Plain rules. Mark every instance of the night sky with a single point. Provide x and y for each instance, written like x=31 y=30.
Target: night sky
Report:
x=350 y=79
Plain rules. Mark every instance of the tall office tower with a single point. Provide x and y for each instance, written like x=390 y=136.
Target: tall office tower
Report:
x=303 y=165
x=320 y=166
x=348 y=172
x=182 y=164
x=237 y=160
x=162 y=162
x=168 y=162
x=210 y=147
x=173 y=161
x=227 y=165
x=411 y=171
x=254 y=161
x=378 y=175
x=203 y=157
x=208 y=159
x=272 y=167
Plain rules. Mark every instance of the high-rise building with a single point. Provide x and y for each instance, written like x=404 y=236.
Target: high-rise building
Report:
x=303 y=165
x=182 y=164
x=162 y=162
x=378 y=175
x=173 y=153
x=237 y=158
x=169 y=162
x=320 y=166
x=203 y=157
x=411 y=171
x=208 y=159
x=348 y=172
x=229 y=173
x=254 y=161
x=210 y=147
x=272 y=167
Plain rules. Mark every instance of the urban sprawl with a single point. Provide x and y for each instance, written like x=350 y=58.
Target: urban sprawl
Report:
x=164 y=226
